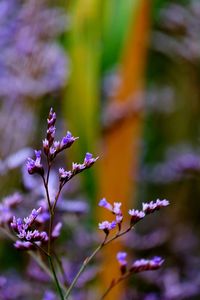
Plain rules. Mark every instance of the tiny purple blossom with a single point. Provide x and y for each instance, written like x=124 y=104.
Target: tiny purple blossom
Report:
x=119 y=218
x=45 y=143
x=64 y=175
x=89 y=160
x=136 y=215
x=104 y=203
x=35 y=166
x=107 y=226
x=116 y=208
x=56 y=145
x=121 y=257
x=51 y=131
x=67 y=140
x=51 y=118
x=149 y=208
x=77 y=168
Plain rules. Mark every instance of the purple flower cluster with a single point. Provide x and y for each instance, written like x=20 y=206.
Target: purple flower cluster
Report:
x=24 y=231
x=136 y=215
x=147 y=264
x=140 y=264
x=149 y=208
x=77 y=168
x=51 y=148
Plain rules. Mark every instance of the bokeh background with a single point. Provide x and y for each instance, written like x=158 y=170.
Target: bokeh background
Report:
x=124 y=76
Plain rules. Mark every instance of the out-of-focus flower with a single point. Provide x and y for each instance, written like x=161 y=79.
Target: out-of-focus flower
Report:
x=6 y=207
x=56 y=231
x=146 y=264
x=149 y=208
x=31 y=63
x=49 y=295
x=121 y=257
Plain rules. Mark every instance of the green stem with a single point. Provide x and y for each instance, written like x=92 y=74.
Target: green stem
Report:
x=55 y=278
x=84 y=265
x=51 y=213
x=59 y=262
x=88 y=259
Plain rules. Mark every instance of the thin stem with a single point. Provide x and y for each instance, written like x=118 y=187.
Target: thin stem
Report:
x=56 y=198
x=114 y=283
x=47 y=192
x=59 y=262
x=84 y=265
x=118 y=235
x=55 y=278
x=51 y=213
x=88 y=259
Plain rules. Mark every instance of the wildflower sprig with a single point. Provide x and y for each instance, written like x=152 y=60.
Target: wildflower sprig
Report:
x=139 y=265
x=108 y=227
x=28 y=235
x=51 y=148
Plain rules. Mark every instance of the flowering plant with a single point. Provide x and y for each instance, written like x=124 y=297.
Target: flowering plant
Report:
x=37 y=232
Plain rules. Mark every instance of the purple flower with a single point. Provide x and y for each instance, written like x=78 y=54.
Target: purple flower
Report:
x=104 y=203
x=45 y=143
x=149 y=208
x=116 y=208
x=146 y=265
x=35 y=166
x=107 y=226
x=136 y=216
x=51 y=131
x=51 y=118
x=121 y=257
x=23 y=228
x=89 y=160
x=67 y=141
x=119 y=218
x=64 y=175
